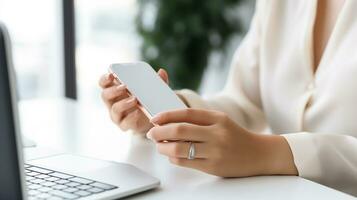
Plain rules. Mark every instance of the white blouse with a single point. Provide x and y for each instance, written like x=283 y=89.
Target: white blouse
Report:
x=272 y=84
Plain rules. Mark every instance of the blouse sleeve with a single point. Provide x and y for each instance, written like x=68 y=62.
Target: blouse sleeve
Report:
x=240 y=98
x=329 y=159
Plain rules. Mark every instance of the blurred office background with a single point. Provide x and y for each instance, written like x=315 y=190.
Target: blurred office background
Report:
x=108 y=31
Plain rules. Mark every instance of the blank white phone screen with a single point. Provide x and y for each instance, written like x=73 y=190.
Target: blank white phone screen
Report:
x=151 y=91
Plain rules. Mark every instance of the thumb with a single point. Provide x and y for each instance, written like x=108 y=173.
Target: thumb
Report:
x=164 y=76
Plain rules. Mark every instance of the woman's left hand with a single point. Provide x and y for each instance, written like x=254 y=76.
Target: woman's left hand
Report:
x=222 y=147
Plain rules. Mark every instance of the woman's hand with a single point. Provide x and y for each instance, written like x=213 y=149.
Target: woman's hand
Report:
x=222 y=147
x=123 y=109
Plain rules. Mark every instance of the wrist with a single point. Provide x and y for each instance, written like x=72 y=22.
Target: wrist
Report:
x=276 y=156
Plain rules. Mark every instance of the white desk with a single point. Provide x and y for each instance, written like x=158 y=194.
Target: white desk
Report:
x=67 y=126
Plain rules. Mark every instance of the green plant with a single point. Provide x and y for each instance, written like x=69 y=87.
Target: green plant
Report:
x=184 y=34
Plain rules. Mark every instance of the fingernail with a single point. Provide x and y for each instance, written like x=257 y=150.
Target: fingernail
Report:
x=108 y=76
x=149 y=135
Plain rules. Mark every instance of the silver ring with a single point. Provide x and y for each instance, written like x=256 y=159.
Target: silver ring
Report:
x=191 y=151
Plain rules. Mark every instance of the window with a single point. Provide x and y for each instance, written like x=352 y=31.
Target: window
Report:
x=105 y=34
x=36 y=33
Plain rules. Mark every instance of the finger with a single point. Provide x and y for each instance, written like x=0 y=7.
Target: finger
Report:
x=126 y=119
x=106 y=80
x=136 y=120
x=110 y=103
x=127 y=122
x=130 y=111
x=110 y=93
x=190 y=115
x=116 y=81
x=120 y=107
x=179 y=131
x=181 y=149
x=164 y=76
x=199 y=164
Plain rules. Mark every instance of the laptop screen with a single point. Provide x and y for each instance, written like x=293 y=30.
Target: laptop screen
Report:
x=10 y=184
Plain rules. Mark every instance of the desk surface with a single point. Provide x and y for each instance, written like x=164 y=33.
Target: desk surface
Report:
x=67 y=126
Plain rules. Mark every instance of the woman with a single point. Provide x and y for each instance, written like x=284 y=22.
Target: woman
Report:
x=296 y=73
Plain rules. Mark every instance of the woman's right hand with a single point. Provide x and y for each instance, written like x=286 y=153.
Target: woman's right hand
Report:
x=123 y=109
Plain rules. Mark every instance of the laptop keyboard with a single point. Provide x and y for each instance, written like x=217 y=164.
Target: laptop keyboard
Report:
x=48 y=184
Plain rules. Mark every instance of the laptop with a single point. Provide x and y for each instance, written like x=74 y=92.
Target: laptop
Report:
x=61 y=176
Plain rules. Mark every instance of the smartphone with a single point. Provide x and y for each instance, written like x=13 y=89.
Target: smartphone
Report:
x=153 y=94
